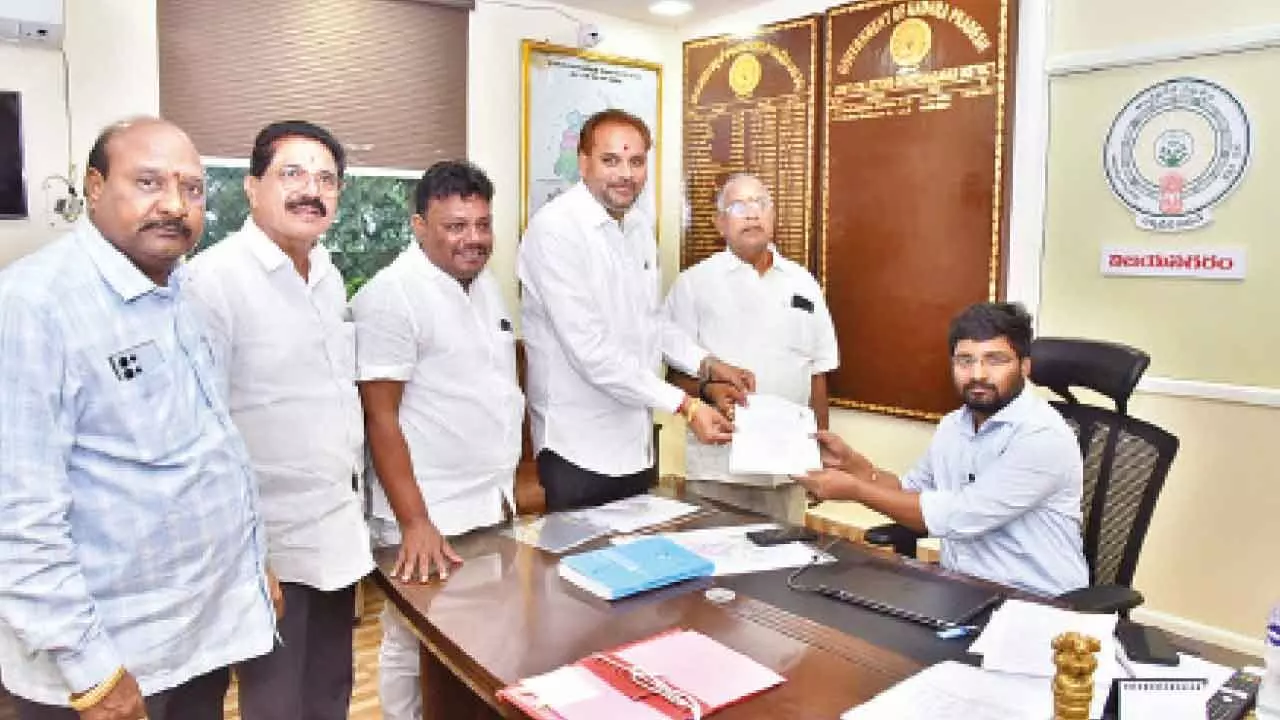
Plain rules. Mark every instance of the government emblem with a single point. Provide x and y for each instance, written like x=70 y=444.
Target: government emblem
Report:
x=1175 y=151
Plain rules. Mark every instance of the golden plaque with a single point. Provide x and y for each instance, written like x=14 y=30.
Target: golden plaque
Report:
x=744 y=75
x=910 y=42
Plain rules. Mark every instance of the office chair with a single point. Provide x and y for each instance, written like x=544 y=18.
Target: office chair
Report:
x=1125 y=459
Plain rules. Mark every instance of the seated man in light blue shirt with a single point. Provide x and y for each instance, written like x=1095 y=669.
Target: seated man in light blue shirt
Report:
x=131 y=551
x=1002 y=480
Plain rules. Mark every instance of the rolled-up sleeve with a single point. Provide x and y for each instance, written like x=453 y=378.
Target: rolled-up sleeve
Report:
x=1028 y=472
x=386 y=332
x=550 y=272
x=43 y=593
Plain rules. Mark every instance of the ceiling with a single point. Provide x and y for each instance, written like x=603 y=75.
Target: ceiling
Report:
x=638 y=10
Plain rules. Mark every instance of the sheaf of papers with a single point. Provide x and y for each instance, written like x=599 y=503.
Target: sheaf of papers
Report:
x=1188 y=667
x=636 y=512
x=733 y=554
x=1018 y=639
x=556 y=532
x=773 y=436
x=952 y=691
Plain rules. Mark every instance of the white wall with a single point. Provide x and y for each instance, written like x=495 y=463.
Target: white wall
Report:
x=493 y=111
x=110 y=49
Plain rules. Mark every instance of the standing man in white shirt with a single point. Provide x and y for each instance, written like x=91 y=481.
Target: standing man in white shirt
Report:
x=443 y=407
x=594 y=331
x=754 y=308
x=276 y=307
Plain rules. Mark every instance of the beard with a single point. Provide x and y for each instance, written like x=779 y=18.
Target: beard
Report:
x=992 y=400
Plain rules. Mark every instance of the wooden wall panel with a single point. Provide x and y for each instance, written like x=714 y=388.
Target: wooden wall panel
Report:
x=750 y=105
x=916 y=122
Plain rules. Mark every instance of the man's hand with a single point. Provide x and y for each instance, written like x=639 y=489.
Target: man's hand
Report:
x=422 y=547
x=124 y=702
x=837 y=454
x=709 y=426
x=277 y=594
x=742 y=380
x=830 y=484
x=724 y=397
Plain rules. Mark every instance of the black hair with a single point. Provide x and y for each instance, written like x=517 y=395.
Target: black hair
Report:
x=986 y=321
x=611 y=116
x=448 y=178
x=264 y=145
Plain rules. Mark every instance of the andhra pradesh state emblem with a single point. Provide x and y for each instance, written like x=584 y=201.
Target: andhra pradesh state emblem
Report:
x=909 y=43
x=744 y=74
x=1175 y=151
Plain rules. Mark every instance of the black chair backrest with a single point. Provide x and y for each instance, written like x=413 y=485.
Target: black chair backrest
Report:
x=1126 y=460
x=1108 y=368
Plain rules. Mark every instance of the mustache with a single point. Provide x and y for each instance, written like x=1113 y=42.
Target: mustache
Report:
x=629 y=184
x=174 y=225
x=310 y=201
x=974 y=385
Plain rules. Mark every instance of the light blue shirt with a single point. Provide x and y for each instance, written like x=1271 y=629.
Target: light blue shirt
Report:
x=1005 y=499
x=129 y=530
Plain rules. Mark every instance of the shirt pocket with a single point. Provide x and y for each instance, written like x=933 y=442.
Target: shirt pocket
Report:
x=800 y=332
x=162 y=409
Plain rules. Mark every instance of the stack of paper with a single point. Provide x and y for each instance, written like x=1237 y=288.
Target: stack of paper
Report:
x=773 y=436
x=1019 y=639
x=636 y=512
x=1188 y=667
x=733 y=554
x=951 y=691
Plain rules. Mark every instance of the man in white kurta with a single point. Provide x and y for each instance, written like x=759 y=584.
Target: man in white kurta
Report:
x=276 y=309
x=754 y=308
x=442 y=402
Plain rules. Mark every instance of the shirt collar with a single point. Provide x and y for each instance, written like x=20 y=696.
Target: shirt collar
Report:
x=594 y=215
x=116 y=269
x=731 y=263
x=1011 y=414
x=272 y=258
x=421 y=264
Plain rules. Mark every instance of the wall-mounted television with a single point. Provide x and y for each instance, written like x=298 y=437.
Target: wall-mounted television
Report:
x=13 y=186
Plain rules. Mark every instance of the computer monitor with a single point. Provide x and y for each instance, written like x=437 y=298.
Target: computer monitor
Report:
x=13 y=186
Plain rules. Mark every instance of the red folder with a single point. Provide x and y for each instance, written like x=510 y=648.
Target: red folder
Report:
x=676 y=675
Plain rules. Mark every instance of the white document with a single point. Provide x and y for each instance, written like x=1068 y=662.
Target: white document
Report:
x=733 y=554
x=773 y=436
x=1188 y=667
x=636 y=512
x=1019 y=639
x=952 y=691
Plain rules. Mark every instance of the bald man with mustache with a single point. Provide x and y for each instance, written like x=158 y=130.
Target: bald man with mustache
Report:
x=131 y=552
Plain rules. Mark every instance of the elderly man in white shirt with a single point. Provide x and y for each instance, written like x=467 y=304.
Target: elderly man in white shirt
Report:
x=594 y=332
x=276 y=307
x=754 y=308
x=443 y=407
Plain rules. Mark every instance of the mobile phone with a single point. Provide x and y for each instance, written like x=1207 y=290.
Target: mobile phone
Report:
x=780 y=536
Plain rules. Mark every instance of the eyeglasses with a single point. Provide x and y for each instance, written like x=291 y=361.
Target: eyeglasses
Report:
x=991 y=360
x=296 y=177
x=740 y=208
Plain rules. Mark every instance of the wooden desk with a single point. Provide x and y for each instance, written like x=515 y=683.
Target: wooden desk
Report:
x=505 y=614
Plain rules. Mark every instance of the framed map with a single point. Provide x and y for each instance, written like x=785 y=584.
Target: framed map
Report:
x=562 y=87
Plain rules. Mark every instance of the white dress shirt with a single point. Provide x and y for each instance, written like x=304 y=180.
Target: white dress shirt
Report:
x=462 y=410
x=595 y=334
x=289 y=355
x=776 y=325
x=1005 y=499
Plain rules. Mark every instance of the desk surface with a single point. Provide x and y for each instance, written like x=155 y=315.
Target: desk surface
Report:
x=506 y=614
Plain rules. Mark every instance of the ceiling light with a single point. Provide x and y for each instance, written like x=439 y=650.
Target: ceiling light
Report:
x=670 y=8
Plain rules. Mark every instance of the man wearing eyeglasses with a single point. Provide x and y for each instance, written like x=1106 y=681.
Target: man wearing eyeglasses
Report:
x=1001 y=483
x=755 y=309
x=276 y=306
